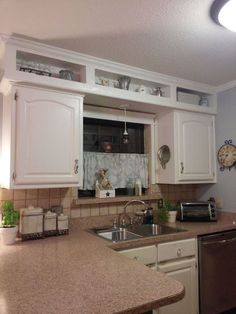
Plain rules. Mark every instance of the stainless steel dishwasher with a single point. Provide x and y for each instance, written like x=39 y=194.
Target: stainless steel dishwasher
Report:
x=217 y=272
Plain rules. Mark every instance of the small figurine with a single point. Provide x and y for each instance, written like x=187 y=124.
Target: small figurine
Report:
x=102 y=183
x=142 y=89
x=104 y=188
x=157 y=92
x=104 y=81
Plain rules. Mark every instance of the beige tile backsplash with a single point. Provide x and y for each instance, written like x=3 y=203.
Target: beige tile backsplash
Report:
x=64 y=196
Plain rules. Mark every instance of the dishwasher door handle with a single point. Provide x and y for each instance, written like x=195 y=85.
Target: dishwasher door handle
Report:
x=221 y=242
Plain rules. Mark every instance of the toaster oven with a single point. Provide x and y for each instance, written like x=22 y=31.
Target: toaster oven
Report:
x=197 y=211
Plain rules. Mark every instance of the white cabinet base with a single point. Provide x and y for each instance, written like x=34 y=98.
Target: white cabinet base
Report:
x=185 y=272
x=178 y=259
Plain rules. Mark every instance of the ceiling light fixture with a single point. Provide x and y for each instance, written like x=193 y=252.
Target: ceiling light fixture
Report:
x=125 y=136
x=223 y=13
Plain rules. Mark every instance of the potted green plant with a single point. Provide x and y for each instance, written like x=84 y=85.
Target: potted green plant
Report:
x=8 y=229
x=172 y=210
x=161 y=215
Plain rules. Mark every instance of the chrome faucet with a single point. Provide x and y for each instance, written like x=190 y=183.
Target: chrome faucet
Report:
x=124 y=216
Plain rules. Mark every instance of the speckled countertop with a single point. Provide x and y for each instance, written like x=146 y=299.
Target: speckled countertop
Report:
x=80 y=273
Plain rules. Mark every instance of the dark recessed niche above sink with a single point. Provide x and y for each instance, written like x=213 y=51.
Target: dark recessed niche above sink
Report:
x=98 y=131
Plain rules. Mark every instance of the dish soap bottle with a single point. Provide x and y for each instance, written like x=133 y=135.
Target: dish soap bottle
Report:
x=138 y=187
x=149 y=215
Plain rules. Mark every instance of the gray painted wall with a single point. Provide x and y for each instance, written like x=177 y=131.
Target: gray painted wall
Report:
x=1 y=108
x=225 y=190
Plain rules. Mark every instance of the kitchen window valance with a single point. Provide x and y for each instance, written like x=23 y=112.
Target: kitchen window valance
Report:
x=121 y=168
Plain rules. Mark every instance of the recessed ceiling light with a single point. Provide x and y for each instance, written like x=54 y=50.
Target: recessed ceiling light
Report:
x=223 y=12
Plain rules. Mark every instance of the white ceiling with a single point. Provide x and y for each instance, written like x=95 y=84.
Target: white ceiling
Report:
x=174 y=37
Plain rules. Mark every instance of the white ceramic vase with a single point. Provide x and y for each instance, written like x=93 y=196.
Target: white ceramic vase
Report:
x=172 y=216
x=8 y=235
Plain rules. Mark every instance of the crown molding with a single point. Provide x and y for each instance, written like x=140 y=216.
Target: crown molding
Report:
x=226 y=86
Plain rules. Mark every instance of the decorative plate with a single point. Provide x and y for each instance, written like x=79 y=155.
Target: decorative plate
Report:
x=163 y=155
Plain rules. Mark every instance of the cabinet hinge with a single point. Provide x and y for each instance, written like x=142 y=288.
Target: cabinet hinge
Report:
x=13 y=176
x=15 y=96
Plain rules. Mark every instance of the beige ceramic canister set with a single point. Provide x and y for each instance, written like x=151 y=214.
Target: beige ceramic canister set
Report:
x=34 y=224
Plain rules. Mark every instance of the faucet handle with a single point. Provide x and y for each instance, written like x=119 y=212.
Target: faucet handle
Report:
x=123 y=220
x=115 y=223
x=123 y=224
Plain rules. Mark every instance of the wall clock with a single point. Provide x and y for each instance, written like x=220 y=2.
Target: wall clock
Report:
x=227 y=155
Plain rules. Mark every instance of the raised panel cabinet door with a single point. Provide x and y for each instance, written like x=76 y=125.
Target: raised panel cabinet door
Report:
x=184 y=272
x=48 y=137
x=196 y=157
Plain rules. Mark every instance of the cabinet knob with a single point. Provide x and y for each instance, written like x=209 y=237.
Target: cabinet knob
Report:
x=182 y=167
x=179 y=252
x=76 y=166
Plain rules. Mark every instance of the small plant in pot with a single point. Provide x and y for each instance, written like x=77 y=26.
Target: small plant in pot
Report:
x=172 y=210
x=8 y=229
x=160 y=215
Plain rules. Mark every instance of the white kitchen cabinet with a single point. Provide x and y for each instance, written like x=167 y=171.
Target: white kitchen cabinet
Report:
x=42 y=138
x=178 y=260
x=146 y=255
x=191 y=139
x=185 y=273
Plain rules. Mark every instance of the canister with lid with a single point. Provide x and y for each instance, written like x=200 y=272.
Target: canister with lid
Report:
x=50 y=224
x=62 y=224
x=31 y=223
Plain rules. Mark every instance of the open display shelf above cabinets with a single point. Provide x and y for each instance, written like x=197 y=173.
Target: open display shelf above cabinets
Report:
x=194 y=97
x=45 y=66
x=131 y=84
x=103 y=82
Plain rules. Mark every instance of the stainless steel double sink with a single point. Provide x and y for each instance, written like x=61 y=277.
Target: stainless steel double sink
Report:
x=133 y=232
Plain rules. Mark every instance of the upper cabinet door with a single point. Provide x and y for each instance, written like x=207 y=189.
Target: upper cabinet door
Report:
x=195 y=146
x=49 y=130
x=191 y=139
